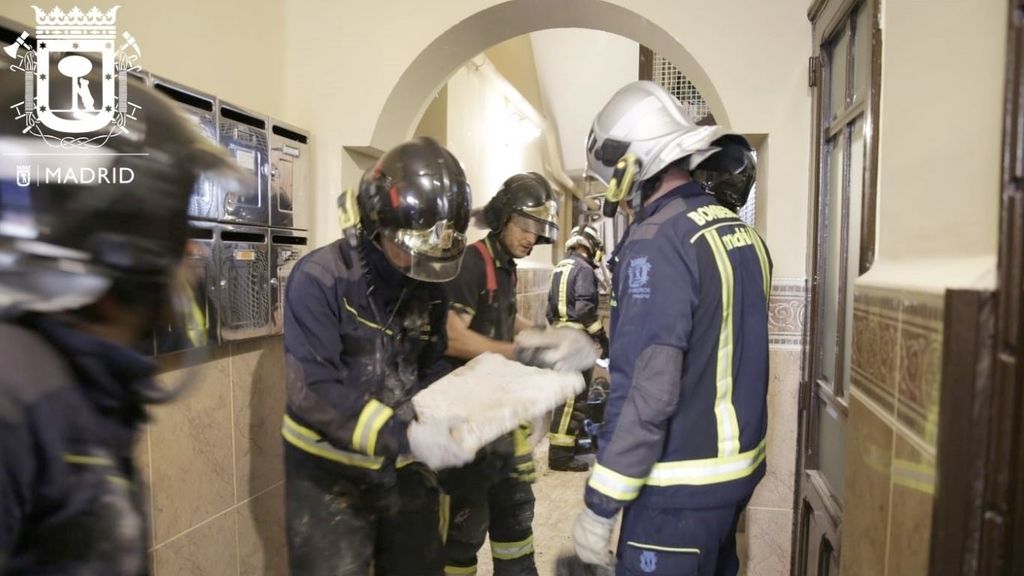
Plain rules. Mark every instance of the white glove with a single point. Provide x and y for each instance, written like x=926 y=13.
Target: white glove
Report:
x=593 y=537
x=564 y=349
x=433 y=444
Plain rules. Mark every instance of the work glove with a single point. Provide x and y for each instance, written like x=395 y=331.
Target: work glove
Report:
x=564 y=349
x=593 y=537
x=433 y=444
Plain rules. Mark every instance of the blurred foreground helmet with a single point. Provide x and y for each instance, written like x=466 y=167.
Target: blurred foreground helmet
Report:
x=587 y=237
x=729 y=174
x=528 y=199
x=640 y=131
x=108 y=212
x=417 y=198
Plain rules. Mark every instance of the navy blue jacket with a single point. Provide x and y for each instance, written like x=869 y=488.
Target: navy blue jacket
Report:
x=360 y=340
x=70 y=499
x=686 y=416
x=573 y=296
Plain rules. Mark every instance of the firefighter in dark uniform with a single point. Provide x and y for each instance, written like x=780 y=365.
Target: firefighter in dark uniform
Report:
x=573 y=302
x=87 y=271
x=683 y=442
x=364 y=331
x=494 y=493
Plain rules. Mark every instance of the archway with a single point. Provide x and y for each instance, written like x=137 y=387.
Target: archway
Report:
x=435 y=64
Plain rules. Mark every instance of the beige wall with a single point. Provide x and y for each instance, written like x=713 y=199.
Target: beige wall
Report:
x=579 y=71
x=233 y=49
x=940 y=143
x=756 y=65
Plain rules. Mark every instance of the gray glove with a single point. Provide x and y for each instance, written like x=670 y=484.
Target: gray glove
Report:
x=592 y=535
x=433 y=444
x=564 y=349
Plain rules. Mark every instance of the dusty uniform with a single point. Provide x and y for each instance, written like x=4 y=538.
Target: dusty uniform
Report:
x=360 y=340
x=493 y=494
x=70 y=497
x=683 y=443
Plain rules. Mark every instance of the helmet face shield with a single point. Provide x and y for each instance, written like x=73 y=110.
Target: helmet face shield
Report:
x=431 y=255
x=546 y=230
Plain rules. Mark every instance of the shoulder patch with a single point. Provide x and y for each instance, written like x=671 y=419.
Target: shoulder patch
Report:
x=638 y=273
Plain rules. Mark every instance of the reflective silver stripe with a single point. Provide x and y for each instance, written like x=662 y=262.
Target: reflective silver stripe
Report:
x=614 y=485
x=309 y=441
x=371 y=420
x=512 y=550
x=708 y=470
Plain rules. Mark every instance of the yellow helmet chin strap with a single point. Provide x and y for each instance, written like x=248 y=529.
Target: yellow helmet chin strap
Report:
x=620 y=184
x=622 y=178
x=348 y=213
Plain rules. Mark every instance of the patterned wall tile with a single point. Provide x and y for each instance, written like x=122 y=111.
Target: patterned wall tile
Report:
x=876 y=338
x=920 y=372
x=787 y=314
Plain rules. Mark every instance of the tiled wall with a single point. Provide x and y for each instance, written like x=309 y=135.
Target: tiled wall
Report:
x=891 y=432
x=212 y=460
x=767 y=528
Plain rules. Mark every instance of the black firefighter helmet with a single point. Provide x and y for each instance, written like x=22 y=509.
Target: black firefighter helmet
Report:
x=529 y=199
x=730 y=172
x=417 y=199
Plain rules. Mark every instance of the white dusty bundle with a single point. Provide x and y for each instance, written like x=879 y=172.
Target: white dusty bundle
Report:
x=491 y=395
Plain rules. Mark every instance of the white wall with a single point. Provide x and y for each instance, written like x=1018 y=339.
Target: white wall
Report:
x=579 y=70
x=482 y=135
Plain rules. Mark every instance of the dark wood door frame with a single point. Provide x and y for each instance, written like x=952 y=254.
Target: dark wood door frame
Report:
x=1002 y=531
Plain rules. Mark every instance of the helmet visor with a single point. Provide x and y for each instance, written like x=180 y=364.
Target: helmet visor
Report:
x=541 y=220
x=431 y=255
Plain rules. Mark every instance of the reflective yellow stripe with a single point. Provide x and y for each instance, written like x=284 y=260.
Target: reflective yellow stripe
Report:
x=563 y=424
x=614 y=485
x=463 y=309
x=460 y=570
x=444 y=512
x=563 y=290
x=118 y=481
x=663 y=548
x=564 y=440
x=364 y=321
x=708 y=470
x=84 y=460
x=595 y=327
x=561 y=323
x=512 y=550
x=403 y=461
x=725 y=412
x=309 y=441
x=371 y=420
x=766 y=273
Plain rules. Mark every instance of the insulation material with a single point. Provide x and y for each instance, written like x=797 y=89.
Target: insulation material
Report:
x=491 y=395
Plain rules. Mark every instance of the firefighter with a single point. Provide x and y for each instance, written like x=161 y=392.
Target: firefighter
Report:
x=87 y=271
x=683 y=442
x=494 y=493
x=364 y=331
x=573 y=302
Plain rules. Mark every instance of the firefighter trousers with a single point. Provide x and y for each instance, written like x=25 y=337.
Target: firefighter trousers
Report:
x=337 y=526
x=504 y=509
x=678 y=541
x=567 y=427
